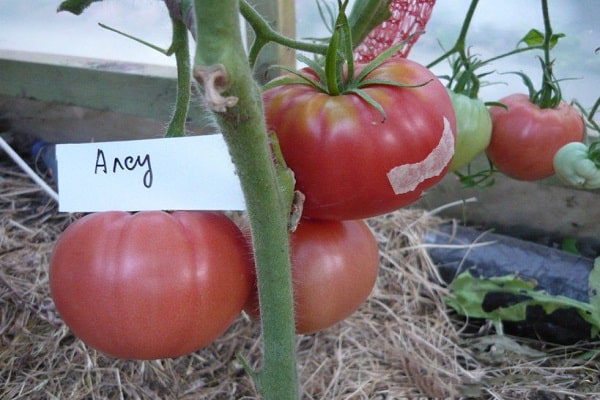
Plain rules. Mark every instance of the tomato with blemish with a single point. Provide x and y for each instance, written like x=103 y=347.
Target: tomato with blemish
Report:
x=352 y=161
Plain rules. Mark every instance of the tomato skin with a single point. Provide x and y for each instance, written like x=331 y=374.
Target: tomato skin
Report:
x=334 y=268
x=525 y=137
x=152 y=284
x=473 y=129
x=341 y=150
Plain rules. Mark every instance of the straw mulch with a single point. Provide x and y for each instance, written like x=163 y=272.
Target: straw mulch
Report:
x=402 y=343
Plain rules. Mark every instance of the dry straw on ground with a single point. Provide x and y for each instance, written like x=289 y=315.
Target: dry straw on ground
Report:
x=402 y=343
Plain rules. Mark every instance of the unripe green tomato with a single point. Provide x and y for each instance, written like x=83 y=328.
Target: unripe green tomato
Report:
x=473 y=129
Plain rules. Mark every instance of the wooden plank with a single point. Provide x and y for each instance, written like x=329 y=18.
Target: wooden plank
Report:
x=131 y=88
x=66 y=98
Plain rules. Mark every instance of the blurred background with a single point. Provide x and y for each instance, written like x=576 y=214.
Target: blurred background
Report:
x=496 y=28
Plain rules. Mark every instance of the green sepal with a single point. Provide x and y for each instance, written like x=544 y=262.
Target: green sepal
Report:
x=377 y=61
x=296 y=77
x=372 y=102
x=387 y=82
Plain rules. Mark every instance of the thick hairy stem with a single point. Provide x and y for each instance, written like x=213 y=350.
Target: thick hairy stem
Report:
x=219 y=51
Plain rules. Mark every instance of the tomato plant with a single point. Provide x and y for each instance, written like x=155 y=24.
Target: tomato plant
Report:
x=473 y=128
x=525 y=137
x=152 y=284
x=352 y=160
x=334 y=267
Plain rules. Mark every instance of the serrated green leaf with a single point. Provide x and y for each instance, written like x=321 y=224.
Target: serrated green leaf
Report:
x=468 y=295
x=594 y=294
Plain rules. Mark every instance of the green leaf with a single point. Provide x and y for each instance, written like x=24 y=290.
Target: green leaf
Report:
x=594 y=294
x=536 y=38
x=75 y=6
x=554 y=39
x=569 y=244
x=469 y=293
x=533 y=38
x=507 y=298
x=594 y=153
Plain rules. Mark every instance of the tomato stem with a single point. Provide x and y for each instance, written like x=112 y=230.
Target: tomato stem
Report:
x=219 y=42
x=180 y=47
x=365 y=16
x=549 y=96
x=460 y=44
x=264 y=35
x=339 y=52
x=588 y=117
x=467 y=82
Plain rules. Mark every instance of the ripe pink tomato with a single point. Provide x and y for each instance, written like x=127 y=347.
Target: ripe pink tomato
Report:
x=349 y=162
x=334 y=267
x=152 y=284
x=525 y=137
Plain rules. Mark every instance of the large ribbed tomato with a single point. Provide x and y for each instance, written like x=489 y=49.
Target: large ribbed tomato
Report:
x=348 y=160
x=152 y=284
x=525 y=137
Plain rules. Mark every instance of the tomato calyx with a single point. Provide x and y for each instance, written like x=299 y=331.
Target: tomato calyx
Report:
x=337 y=75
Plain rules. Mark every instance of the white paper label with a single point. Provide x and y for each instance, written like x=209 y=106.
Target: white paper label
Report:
x=186 y=173
x=405 y=178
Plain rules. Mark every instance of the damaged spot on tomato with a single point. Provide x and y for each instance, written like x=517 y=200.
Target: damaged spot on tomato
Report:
x=405 y=178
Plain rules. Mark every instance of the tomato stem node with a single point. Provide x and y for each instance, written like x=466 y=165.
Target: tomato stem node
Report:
x=214 y=80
